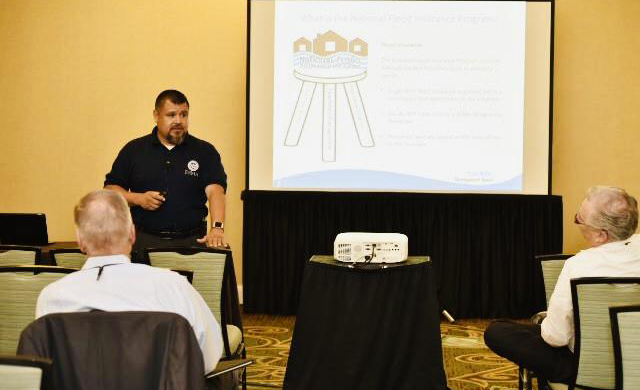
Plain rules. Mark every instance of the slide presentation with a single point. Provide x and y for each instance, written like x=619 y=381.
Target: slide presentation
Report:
x=399 y=95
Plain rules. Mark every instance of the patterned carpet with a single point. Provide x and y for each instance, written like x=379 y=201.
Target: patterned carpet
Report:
x=469 y=364
x=268 y=339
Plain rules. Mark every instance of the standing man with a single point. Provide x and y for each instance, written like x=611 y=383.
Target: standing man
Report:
x=607 y=219
x=167 y=177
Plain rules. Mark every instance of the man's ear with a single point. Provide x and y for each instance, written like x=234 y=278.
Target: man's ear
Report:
x=155 y=116
x=80 y=242
x=603 y=236
x=132 y=234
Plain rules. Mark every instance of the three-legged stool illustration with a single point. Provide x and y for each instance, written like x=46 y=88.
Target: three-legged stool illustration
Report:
x=329 y=85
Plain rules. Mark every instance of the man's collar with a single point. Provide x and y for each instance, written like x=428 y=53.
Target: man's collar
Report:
x=620 y=243
x=99 y=261
x=154 y=136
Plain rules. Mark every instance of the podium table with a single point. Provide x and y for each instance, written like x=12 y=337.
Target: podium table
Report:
x=366 y=327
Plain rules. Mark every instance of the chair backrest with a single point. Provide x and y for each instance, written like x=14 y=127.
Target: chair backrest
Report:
x=186 y=273
x=19 y=255
x=19 y=372
x=593 y=350
x=24 y=372
x=214 y=279
x=117 y=350
x=625 y=331
x=207 y=267
x=68 y=258
x=551 y=267
x=19 y=290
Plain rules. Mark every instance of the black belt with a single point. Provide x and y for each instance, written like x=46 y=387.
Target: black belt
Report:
x=169 y=234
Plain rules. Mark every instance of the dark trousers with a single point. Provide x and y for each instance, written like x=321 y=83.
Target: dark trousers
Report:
x=523 y=345
x=147 y=240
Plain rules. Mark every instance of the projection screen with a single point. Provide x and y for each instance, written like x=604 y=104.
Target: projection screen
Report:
x=417 y=96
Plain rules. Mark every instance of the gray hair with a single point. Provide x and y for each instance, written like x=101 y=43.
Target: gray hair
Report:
x=103 y=220
x=615 y=211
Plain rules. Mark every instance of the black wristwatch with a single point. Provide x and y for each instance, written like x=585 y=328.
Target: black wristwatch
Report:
x=218 y=225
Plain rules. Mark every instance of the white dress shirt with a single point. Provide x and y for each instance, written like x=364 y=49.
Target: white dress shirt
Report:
x=125 y=286
x=614 y=259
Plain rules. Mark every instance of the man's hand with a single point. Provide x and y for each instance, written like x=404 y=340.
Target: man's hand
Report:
x=215 y=238
x=150 y=200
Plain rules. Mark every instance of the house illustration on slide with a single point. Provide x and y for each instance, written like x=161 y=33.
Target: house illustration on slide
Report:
x=302 y=44
x=330 y=43
x=359 y=47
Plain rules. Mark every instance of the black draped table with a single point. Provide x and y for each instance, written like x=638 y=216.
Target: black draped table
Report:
x=368 y=327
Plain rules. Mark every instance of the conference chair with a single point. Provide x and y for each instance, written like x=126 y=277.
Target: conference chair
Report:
x=593 y=351
x=625 y=332
x=120 y=350
x=214 y=278
x=19 y=290
x=19 y=372
x=551 y=266
x=19 y=255
x=186 y=273
x=68 y=258
x=74 y=258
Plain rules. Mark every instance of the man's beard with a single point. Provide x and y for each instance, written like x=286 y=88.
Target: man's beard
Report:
x=176 y=139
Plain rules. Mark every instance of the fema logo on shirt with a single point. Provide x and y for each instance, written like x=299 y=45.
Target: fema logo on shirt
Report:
x=192 y=168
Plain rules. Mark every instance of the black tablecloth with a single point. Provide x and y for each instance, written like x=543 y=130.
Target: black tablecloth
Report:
x=366 y=328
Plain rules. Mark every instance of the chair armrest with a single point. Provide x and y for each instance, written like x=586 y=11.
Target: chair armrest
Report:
x=225 y=366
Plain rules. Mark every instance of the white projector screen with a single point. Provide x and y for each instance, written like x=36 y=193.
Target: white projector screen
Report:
x=420 y=96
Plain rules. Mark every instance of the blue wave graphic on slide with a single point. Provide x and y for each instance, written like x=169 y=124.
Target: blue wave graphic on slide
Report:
x=366 y=179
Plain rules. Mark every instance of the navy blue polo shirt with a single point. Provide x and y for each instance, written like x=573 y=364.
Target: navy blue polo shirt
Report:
x=183 y=172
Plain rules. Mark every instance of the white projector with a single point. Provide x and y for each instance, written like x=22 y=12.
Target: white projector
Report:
x=371 y=247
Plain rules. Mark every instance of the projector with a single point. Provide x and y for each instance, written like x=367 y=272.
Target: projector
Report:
x=371 y=247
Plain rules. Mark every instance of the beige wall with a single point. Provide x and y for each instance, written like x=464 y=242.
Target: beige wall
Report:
x=597 y=102
x=78 y=79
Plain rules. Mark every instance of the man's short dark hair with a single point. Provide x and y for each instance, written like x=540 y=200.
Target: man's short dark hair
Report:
x=175 y=97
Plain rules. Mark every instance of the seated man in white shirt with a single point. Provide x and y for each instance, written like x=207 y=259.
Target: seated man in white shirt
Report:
x=110 y=282
x=607 y=219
